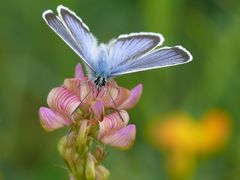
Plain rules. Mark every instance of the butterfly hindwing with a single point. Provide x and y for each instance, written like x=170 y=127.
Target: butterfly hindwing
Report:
x=158 y=58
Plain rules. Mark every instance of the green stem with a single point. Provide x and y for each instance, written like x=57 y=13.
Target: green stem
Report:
x=81 y=154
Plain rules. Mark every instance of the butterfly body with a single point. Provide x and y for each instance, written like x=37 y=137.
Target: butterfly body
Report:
x=128 y=53
x=101 y=66
x=100 y=74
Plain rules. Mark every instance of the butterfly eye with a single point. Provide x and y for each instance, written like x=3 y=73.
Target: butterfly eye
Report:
x=97 y=80
x=104 y=81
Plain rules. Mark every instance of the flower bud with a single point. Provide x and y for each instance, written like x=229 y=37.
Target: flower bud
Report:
x=102 y=173
x=66 y=148
x=90 y=167
x=82 y=138
x=99 y=153
x=61 y=145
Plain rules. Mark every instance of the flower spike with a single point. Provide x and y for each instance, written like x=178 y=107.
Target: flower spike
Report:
x=92 y=115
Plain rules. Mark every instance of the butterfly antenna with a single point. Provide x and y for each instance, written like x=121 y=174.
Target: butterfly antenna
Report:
x=82 y=100
x=115 y=105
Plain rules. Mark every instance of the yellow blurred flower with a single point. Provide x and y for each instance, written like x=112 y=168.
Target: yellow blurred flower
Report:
x=184 y=139
x=215 y=131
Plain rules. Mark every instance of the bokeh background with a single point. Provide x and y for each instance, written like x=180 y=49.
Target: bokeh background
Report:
x=33 y=60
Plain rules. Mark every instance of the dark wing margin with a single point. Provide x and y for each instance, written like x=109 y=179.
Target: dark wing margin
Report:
x=158 y=58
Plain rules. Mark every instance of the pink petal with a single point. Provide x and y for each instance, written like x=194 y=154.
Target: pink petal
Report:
x=63 y=101
x=113 y=122
x=98 y=110
x=84 y=88
x=87 y=89
x=133 y=99
x=122 y=95
x=73 y=85
x=116 y=94
x=79 y=71
x=123 y=138
x=51 y=120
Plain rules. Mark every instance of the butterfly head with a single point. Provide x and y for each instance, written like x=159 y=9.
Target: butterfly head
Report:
x=100 y=81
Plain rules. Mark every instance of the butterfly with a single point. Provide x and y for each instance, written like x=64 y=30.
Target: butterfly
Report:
x=128 y=53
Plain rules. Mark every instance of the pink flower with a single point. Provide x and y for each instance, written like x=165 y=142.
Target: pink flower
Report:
x=78 y=99
x=115 y=132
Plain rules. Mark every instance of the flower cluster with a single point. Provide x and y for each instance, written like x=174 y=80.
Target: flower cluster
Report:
x=185 y=139
x=95 y=118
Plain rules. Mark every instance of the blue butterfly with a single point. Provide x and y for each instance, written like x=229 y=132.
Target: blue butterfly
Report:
x=127 y=54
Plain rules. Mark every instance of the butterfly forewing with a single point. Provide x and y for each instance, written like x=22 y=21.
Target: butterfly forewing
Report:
x=58 y=26
x=85 y=40
x=127 y=47
x=163 y=57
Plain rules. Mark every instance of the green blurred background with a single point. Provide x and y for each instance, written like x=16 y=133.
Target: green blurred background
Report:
x=33 y=60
